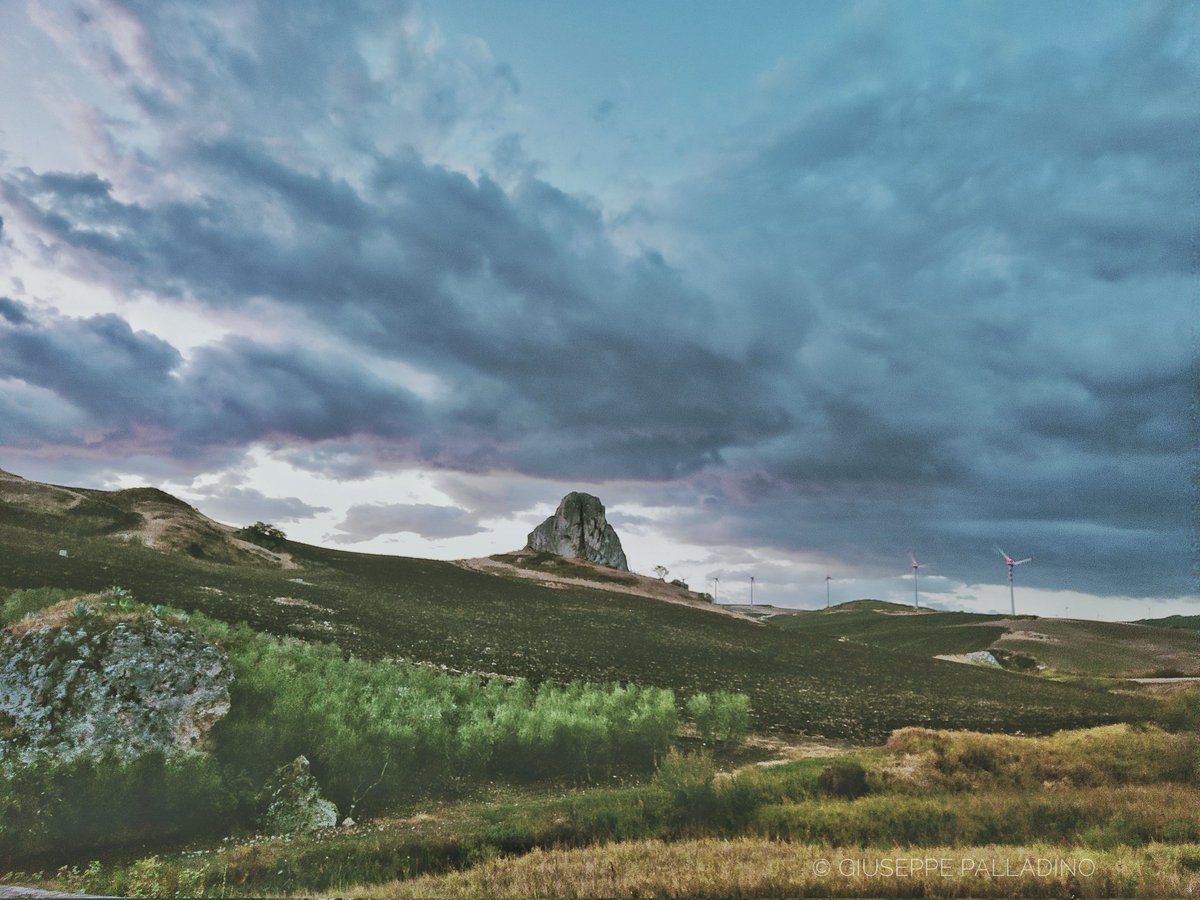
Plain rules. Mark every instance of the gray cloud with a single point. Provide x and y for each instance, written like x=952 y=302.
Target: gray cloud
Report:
x=230 y=502
x=367 y=521
x=912 y=305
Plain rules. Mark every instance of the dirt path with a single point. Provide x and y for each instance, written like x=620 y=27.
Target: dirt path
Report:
x=653 y=588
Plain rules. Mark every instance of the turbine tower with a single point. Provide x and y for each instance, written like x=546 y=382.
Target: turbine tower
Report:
x=828 y=578
x=1010 y=562
x=916 y=597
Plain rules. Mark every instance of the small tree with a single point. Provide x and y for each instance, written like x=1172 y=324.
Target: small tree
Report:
x=662 y=572
x=722 y=716
x=263 y=533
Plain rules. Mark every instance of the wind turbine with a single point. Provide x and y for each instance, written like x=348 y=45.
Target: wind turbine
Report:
x=916 y=565
x=1010 y=562
x=751 y=590
x=828 y=578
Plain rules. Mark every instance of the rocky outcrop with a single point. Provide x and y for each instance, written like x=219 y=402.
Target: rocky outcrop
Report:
x=295 y=803
x=579 y=530
x=96 y=686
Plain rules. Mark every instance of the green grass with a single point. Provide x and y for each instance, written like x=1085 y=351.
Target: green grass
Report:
x=1106 y=648
x=1105 y=789
x=442 y=614
x=1189 y=623
x=1071 y=646
x=897 y=627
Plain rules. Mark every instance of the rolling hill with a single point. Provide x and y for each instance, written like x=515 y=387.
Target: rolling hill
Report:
x=1074 y=646
x=498 y=621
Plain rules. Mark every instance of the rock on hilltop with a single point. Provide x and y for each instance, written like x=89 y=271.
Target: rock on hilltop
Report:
x=579 y=530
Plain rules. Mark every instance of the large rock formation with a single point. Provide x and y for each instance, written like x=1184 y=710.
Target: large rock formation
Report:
x=91 y=686
x=578 y=529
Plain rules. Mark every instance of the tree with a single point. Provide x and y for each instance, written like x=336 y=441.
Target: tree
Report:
x=263 y=533
x=662 y=572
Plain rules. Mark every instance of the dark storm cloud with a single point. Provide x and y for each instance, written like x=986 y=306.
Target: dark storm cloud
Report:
x=13 y=311
x=370 y=520
x=127 y=389
x=914 y=306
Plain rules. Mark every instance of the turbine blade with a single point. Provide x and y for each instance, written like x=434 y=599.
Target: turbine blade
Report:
x=1001 y=552
x=1025 y=560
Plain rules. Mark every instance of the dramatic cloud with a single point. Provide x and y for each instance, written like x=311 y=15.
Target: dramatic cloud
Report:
x=921 y=293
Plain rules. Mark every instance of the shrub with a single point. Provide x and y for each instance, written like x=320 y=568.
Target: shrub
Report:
x=1181 y=712
x=845 y=779
x=721 y=716
x=263 y=533
x=110 y=803
x=380 y=732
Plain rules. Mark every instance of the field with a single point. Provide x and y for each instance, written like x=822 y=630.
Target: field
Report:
x=1115 y=807
x=1070 y=646
x=869 y=754
x=445 y=615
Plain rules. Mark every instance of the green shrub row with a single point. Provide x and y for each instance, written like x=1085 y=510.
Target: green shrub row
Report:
x=378 y=733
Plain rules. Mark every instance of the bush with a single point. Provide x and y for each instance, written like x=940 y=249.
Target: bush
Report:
x=382 y=732
x=110 y=803
x=263 y=533
x=1181 y=712
x=845 y=779
x=721 y=716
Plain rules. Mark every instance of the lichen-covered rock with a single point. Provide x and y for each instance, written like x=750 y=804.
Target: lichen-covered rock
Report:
x=128 y=687
x=579 y=529
x=294 y=801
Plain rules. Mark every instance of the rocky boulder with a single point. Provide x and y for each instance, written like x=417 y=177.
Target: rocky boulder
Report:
x=295 y=803
x=92 y=686
x=579 y=530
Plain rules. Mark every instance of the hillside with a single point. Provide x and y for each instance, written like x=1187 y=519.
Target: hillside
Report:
x=1073 y=646
x=1189 y=623
x=451 y=616
x=145 y=517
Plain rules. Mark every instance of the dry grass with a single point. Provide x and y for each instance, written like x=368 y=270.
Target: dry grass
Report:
x=757 y=868
x=63 y=613
x=1104 y=756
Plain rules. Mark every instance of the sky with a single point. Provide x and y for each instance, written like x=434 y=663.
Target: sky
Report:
x=796 y=289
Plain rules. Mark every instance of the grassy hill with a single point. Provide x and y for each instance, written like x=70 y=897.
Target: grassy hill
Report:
x=1188 y=623
x=898 y=627
x=1074 y=646
x=447 y=615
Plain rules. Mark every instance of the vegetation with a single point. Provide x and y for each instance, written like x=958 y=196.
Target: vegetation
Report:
x=1191 y=623
x=754 y=868
x=1105 y=795
x=19 y=604
x=378 y=734
x=50 y=806
x=263 y=533
x=467 y=621
x=1061 y=645
x=721 y=716
x=494 y=736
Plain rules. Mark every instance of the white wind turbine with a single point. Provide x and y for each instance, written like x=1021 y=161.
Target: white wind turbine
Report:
x=1010 y=562
x=916 y=565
